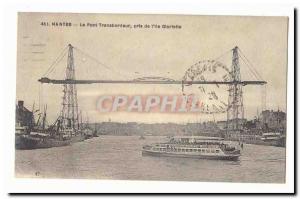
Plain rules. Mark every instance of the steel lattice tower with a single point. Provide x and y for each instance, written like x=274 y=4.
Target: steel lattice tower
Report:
x=235 y=110
x=69 y=113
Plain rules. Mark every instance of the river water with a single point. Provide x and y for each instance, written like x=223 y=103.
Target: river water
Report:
x=120 y=157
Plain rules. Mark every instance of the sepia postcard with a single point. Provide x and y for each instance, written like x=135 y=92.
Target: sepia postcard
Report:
x=152 y=97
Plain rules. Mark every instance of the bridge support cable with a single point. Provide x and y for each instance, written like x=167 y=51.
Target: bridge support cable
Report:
x=56 y=61
x=100 y=63
x=250 y=65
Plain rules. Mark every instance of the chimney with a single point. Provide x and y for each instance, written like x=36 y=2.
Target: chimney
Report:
x=20 y=103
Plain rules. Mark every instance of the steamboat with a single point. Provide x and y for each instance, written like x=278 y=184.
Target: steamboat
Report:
x=194 y=147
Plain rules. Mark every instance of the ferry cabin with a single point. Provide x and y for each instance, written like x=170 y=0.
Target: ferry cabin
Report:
x=186 y=149
x=205 y=148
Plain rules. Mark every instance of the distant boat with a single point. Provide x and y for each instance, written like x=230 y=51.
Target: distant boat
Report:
x=194 y=147
x=142 y=137
x=274 y=139
x=268 y=139
x=88 y=133
x=95 y=134
x=73 y=136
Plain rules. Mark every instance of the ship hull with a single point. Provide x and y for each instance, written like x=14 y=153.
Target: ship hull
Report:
x=88 y=136
x=277 y=143
x=28 y=142
x=281 y=142
x=196 y=156
x=17 y=141
x=267 y=143
x=77 y=138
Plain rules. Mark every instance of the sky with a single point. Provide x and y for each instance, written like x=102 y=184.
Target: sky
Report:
x=128 y=53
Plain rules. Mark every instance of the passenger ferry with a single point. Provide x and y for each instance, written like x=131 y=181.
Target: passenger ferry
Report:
x=274 y=139
x=194 y=147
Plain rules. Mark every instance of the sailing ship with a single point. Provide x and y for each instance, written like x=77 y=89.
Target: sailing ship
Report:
x=39 y=136
x=194 y=147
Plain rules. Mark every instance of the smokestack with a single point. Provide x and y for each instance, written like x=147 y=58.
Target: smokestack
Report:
x=20 y=103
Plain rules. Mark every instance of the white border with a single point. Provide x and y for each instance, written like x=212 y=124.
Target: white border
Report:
x=8 y=71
